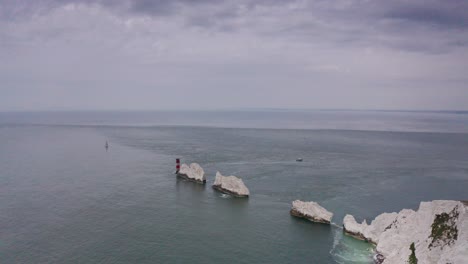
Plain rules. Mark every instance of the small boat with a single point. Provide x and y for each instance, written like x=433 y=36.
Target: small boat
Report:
x=299 y=159
x=107 y=145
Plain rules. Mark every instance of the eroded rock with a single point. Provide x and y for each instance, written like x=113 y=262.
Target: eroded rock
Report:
x=311 y=211
x=436 y=233
x=230 y=185
x=194 y=172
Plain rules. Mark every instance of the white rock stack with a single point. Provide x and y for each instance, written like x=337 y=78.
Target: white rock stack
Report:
x=194 y=172
x=351 y=227
x=436 y=233
x=311 y=211
x=230 y=185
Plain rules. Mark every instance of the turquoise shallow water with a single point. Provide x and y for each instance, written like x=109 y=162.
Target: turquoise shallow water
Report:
x=64 y=199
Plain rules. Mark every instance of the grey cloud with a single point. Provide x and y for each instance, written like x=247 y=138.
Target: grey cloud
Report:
x=442 y=14
x=163 y=7
x=433 y=12
x=393 y=24
x=316 y=53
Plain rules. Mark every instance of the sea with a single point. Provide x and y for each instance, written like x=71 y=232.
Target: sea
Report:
x=64 y=198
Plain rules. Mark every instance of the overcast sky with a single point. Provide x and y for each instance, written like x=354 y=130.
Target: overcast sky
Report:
x=188 y=54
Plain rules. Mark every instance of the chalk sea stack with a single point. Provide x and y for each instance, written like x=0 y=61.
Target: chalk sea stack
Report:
x=311 y=211
x=436 y=233
x=353 y=228
x=194 y=172
x=230 y=185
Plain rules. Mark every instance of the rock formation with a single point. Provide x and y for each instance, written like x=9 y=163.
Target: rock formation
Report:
x=193 y=172
x=436 y=233
x=352 y=228
x=230 y=185
x=311 y=211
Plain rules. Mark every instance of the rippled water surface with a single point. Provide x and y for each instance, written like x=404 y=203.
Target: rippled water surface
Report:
x=64 y=199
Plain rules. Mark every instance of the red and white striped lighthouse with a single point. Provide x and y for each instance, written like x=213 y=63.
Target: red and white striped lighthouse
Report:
x=177 y=165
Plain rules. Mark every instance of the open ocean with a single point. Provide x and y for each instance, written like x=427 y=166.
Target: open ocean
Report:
x=65 y=199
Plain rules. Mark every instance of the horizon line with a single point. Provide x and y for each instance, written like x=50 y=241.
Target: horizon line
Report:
x=236 y=109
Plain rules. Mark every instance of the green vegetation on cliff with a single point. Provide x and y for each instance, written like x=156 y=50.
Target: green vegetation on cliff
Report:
x=412 y=257
x=444 y=230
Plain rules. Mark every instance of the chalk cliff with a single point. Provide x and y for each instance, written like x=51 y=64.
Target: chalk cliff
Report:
x=434 y=234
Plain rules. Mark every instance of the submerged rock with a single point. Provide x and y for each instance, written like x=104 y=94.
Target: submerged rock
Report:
x=311 y=211
x=230 y=185
x=436 y=233
x=194 y=172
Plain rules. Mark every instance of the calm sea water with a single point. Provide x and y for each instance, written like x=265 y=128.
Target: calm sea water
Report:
x=65 y=199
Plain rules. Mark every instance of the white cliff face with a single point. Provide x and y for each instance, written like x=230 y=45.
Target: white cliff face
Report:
x=439 y=231
x=312 y=211
x=194 y=172
x=230 y=184
x=378 y=226
x=353 y=228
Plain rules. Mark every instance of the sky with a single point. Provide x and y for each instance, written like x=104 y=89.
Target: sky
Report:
x=207 y=54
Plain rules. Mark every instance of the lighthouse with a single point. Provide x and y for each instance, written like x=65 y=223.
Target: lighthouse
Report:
x=177 y=166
